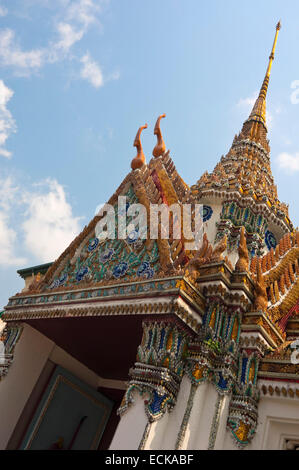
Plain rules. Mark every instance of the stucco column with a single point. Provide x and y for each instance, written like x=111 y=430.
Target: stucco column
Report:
x=155 y=380
x=193 y=414
x=221 y=427
x=131 y=427
x=26 y=353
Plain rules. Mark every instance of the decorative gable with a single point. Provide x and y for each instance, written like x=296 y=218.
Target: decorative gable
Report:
x=90 y=261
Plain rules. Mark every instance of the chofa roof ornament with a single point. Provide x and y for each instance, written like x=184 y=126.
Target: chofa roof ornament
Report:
x=139 y=160
x=160 y=147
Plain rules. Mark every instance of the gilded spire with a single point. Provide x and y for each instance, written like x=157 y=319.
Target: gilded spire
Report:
x=258 y=112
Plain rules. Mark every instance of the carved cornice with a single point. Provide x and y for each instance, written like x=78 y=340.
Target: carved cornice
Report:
x=191 y=319
x=280 y=390
x=258 y=204
x=260 y=323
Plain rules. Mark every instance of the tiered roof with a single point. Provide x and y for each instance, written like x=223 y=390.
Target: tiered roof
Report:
x=246 y=169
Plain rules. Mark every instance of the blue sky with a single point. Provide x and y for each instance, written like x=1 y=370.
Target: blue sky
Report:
x=77 y=79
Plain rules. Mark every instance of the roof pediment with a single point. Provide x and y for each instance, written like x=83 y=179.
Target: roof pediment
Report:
x=88 y=261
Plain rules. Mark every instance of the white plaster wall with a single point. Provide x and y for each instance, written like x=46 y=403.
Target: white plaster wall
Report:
x=221 y=433
x=157 y=432
x=204 y=425
x=278 y=418
x=190 y=439
x=62 y=358
x=31 y=354
x=164 y=432
x=131 y=427
x=210 y=226
x=176 y=416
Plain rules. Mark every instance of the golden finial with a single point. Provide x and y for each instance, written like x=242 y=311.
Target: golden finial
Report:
x=160 y=147
x=139 y=160
x=258 y=112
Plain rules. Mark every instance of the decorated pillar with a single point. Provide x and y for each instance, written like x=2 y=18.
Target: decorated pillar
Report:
x=212 y=368
x=156 y=377
x=8 y=340
x=258 y=335
x=243 y=407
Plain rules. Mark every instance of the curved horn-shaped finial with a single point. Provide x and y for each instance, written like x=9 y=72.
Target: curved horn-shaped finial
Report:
x=160 y=147
x=139 y=160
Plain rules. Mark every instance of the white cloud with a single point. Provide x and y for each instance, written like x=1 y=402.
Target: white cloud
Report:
x=71 y=22
x=247 y=104
x=68 y=36
x=50 y=225
x=78 y=16
x=8 y=235
x=269 y=119
x=84 y=12
x=114 y=76
x=294 y=96
x=7 y=123
x=8 y=243
x=12 y=55
x=38 y=222
x=288 y=162
x=8 y=192
x=5 y=153
x=91 y=71
x=3 y=11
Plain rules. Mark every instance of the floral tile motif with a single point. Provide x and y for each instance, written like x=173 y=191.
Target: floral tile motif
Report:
x=111 y=259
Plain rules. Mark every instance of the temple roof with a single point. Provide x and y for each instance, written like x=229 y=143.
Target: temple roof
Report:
x=280 y=272
x=91 y=269
x=34 y=270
